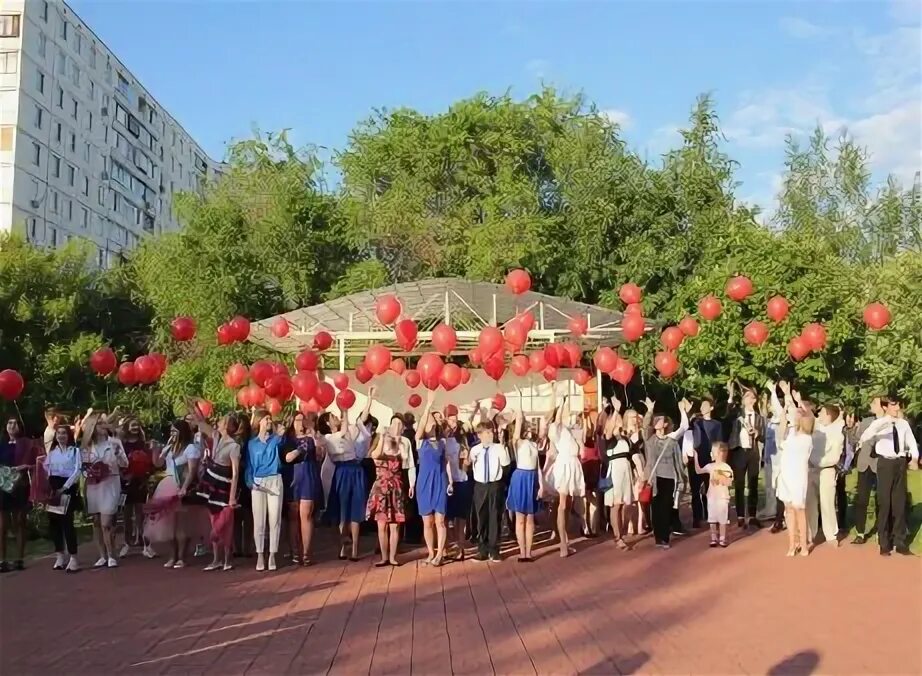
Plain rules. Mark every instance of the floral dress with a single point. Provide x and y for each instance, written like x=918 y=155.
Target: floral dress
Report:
x=386 y=501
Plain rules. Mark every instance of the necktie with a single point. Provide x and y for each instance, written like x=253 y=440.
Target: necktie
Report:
x=486 y=464
x=896 y=442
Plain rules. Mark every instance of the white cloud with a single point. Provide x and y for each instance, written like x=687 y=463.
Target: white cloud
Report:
x=764 y=118
x=802 y=29
x=619 y=117
x=537 y=67
x=906 y=11
x=665 y=138
x=894 y=139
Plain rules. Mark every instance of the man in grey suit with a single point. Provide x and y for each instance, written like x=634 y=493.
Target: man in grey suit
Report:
x=866 y=464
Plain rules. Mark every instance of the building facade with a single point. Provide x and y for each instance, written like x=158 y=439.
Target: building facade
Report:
x=85 y=151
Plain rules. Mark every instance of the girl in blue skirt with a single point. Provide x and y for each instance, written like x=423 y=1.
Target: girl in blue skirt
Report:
x=434 y=483
x=526 y=484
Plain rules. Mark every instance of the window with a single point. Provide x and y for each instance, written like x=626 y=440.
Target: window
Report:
x=101 y=258
x=40 y=81
x=89 y=121
x=122 y=85
x=61 y=63
x=73 y=142
x=9 y=62
x=42 y=44
x=101 y=196
x=6 y=137
x=32 y=229
x=39 y=115
x=70 y=210
x=71 y=175
x=59 y=98
x=64 y=30
x=9 y=25
x=53 y=236
x=36 y=154
x=57 y=131
x=133 y=126
x=93 y=57
x=54 y=201
x=79 y=44
x=75 y=73
x=45 y=11
x=86 y=186
x=86 y=152
x=121 y=115
x=92 y=90
x=73 y=112
x=55 y=166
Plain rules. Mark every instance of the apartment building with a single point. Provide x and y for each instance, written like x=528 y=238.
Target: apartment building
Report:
x=85 y=150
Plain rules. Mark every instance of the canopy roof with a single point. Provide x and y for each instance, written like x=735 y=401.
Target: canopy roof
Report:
x=465 y=305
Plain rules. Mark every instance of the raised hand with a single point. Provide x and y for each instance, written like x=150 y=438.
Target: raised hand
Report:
x=649 y=403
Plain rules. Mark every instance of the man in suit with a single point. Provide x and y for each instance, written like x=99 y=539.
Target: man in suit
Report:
x=747 y=434
x=866 y=465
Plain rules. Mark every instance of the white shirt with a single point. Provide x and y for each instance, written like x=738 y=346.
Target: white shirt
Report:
x=488 y=462
x=64 y=463
x=881 y=431
x=453 y=451
x=526 y=454
x=190 y=453
x=688 y=444
x=362 y=441
x=745 y=440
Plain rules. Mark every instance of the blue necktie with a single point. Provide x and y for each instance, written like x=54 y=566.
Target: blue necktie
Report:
x=486 y=464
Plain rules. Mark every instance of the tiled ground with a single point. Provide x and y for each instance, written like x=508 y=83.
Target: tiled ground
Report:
x=746 y=609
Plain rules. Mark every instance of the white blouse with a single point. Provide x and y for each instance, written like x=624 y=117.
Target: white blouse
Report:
x=526 y=455
x=64 y=462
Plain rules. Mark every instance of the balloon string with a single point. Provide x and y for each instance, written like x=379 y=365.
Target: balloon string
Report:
x=627 y=399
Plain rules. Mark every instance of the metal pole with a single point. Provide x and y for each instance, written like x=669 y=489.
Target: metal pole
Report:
x=342 y=355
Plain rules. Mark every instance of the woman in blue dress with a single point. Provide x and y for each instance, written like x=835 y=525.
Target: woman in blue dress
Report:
x=433 y=483
x=303 y=489
x=526 y=485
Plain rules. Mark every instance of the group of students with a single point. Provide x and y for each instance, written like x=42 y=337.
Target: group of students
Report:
x=454 y=480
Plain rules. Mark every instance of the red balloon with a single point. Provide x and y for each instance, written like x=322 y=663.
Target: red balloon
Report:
x=549 y=373
x=280 y=369
x=527 y=320
x=672 y=337
x=240 y=328
x=537 y=361
x=126 y=374
x=341 y=381
x=515 y=334
x=11 y=384
x=499 y=401
x=710 y=307
x=578 y=326
x=307 y=360
x=490 y=341
x=798 y=348
x=205 y=407
x=325 y=394
x=225 y=334
x=630 y=293
x=573 y=355
x=475 y=356
x=554 y=355
x=414 y=400
x=444 y=338
x=280 y=327
x=398 y=366
x=256 y=395
x=495 y=366
x=430 y=367
x=412 y=378
x=183 y=328
x=406 y=332
x=465 y=376
x=279 y=387
x=605 y=359
x=634 y=309
x=103 y=361
x=519 y=365
x=518 y=281
x=623 y=371
x=260 y=372
x=815 y=335
x=582 y=376
x=235 y=376
x=243 y=397
x=378 y=359
x=304 y=385
x=345 y=399
x=160 y=360
x=322 y=341
x=632 y=327
x=146 y=369
x=739 y=288
x=777 y=308
x=387 y=309
x=310 y=406
x=363 y=374
x=430 y=382
x=689 y=326
x=876 y=316
x=755 y=333
x=450 y=377
x=666 y=363
x=274 y=406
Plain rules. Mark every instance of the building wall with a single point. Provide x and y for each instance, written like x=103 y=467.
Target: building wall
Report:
x=93 y=154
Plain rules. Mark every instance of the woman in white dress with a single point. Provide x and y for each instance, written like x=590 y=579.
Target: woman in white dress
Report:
x=795 y=430
x=623 y=467
x=567 y=471
x=102 y=456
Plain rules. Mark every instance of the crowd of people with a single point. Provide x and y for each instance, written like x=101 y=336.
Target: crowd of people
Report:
x=460 y=483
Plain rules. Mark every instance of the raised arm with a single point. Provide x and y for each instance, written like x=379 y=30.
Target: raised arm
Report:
x=378 y=450
x=369 y=400
x=684 y=407
x=519 y=419
x=424 y=420
x=646 y=425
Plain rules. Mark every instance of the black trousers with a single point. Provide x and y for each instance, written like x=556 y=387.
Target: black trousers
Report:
x=779 y=513
x=891 y=502
x=662 y=510
x=745 y=463
x=62 y=531
x=697 y=483
x=488 y=501
x=841 y=503
x=866 y=480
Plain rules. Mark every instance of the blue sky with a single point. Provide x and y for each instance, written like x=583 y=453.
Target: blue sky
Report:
x=319 y=67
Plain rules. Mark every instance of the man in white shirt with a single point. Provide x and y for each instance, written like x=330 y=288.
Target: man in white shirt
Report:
x=895 y=447
x=488 y=459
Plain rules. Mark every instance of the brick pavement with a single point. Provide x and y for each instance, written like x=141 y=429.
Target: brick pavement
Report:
x=746 y=609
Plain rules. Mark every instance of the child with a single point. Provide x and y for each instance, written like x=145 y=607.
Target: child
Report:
x=718 y=491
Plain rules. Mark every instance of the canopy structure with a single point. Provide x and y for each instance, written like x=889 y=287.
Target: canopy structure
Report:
x=465 y=305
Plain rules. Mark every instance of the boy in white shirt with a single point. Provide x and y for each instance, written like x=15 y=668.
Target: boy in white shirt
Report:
x=488 y=459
